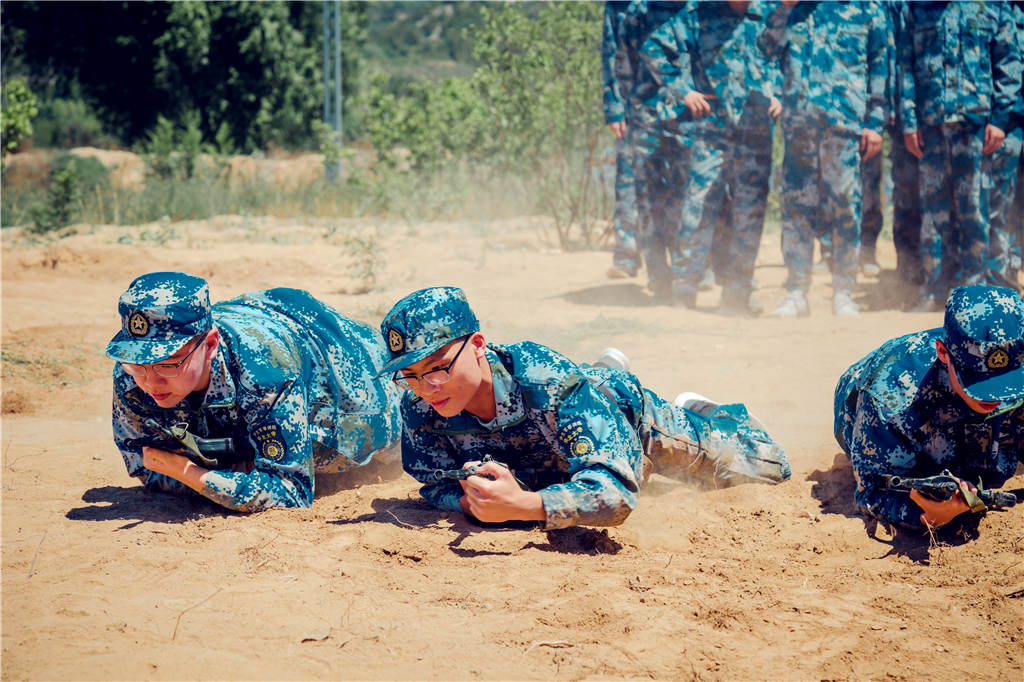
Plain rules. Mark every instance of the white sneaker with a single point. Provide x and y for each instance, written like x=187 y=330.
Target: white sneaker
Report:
x=612 y=358
x=793 y=305
x=695 y=402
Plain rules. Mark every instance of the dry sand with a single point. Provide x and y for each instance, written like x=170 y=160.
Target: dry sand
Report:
x=102 y=580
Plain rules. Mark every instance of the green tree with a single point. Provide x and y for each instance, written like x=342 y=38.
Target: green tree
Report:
x=16 y=114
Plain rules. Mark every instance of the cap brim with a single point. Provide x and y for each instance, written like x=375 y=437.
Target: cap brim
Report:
x=1000 y=388
x=126 y=348
x=410 y=358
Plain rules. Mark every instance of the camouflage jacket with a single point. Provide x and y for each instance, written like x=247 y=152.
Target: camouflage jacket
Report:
x=711 y=49
x=835 y=62
x=646 y=105
x=960 y=61
x=292 y=384
x=566 y=431
x=897 y=414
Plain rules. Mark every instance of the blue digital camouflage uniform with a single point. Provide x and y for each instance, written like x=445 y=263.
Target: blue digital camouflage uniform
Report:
x=710 y=48
x=835 y=68
x=292 y=383
x=960 y=67
x=662 y=149
x=574 y=433
x=1001 y=175
x=617 y=78
x=896 y=412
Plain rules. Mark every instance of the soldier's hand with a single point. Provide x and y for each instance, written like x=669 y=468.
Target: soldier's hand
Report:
x=698 y=103
x=774 y=108
x=176 y=466
x=938 y=514
x=618 y=129
x=501 y=499
x=914 y=143
x=993 y=139
x=870 y=144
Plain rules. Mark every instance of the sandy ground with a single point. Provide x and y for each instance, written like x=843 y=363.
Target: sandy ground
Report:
x=102 y=580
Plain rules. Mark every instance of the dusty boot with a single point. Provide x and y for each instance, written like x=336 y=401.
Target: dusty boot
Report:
x=793 y=305
x=612 y=358
x=842 y=304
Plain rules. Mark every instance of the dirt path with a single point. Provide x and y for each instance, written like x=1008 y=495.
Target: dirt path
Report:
x=104 y=581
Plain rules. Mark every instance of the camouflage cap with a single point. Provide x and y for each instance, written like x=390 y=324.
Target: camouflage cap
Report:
x=160 y=312
x=423 y=322
x=984 y=330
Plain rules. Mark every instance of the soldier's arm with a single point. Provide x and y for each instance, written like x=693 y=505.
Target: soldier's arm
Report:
x=880 y=448
x=283 y=468
x=603 y=454
x=773 y=40
x=614 y=108
x=128 y=430
x=1006 y=68
x=877 y=110
x=423 y=453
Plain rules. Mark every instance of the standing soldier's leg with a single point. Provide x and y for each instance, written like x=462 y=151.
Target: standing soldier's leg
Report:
x=692 y=244
x=645 y=145
x=1001 y=179
x=972 y=224
x=1017 y=224
x=841 y=180
x=714 y=445
x=749 y=176
x=626 y=257
x=870 y=212
x=801 y=204
x=720 y=217
x=937 y=236
x=906 y=210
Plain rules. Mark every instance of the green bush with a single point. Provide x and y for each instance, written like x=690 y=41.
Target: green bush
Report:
x=17 y=109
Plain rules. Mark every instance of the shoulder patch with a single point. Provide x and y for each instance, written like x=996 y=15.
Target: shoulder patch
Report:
x=576 y=438
x=269 y=442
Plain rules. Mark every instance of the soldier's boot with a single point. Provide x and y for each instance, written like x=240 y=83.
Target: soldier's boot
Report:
x=842 y=304
x=707 y=282
x=695 y=402
x=793 y=305
x=612 y=358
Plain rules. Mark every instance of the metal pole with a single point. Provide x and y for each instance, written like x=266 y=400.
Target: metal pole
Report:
x=337 y=77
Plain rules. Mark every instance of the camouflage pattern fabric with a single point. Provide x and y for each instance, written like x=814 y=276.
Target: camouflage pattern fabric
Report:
x=617 y=79
x=896 y=412
x=1001 y=175
x=960 y=70
x=578 y=434
x=835 y=64
x=710 y=48
x=871 y=204
x=906 y=207
x=292 y=383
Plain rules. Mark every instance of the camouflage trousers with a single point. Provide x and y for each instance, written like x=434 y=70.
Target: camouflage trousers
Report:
x=1000 y=182
x=954 y=223
x=821 y=196
x=662 y=161
x=906 y=207
x=724 y=202
x=626 y=256
x=715 y=446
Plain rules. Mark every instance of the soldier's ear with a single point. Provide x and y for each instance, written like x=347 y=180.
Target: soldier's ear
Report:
x=941 y=352
x=479 y=344
x=212 y=342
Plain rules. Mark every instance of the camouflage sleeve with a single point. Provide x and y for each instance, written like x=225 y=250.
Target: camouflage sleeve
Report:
x=879 y=448
x=877 y=110
x=1006 y=67
x=283 y=473
x=905 y=67
x=667 y=56
x=773 y=39
x=127 y=426
x=604 y=455
x=423 y=453
x=614 y=108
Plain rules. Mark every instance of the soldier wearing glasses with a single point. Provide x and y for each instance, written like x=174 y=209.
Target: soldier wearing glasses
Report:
x=282 y=375
x=575 y=439
x=946 y=398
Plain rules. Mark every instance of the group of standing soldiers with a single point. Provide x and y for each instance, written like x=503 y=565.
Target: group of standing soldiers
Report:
x=693 y=91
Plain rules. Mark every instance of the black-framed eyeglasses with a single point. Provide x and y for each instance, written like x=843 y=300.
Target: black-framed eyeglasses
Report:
x=167 y=370
x=435 y=377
